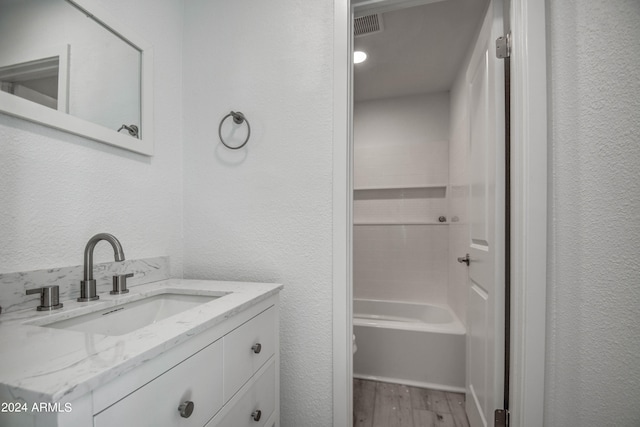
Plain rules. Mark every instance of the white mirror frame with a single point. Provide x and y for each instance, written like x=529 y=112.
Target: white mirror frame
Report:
x=18 y=107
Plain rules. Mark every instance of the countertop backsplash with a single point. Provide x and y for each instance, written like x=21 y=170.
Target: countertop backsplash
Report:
x=13 y=286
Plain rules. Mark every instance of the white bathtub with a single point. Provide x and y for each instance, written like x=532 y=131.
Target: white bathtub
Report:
x=406 y=343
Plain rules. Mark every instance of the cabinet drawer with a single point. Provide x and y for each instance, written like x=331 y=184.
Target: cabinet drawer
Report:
x=197 y=379
x=260 y=397
x=241 y=358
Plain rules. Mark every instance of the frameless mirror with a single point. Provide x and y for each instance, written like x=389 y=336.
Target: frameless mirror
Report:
x=69 y=65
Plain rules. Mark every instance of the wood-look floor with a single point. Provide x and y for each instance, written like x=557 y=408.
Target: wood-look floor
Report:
x=377 y=404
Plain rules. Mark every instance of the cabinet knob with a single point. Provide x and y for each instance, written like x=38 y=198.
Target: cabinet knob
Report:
x=256 y=415
x=186 y=409
x=257 y=348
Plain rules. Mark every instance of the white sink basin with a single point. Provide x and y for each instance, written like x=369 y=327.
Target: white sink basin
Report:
x=124 y=318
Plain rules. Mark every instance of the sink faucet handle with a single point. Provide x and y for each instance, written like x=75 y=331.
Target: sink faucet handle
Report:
x=49 y=297
x=120 y=284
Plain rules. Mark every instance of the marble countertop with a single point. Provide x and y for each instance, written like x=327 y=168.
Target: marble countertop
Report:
x=47 y=364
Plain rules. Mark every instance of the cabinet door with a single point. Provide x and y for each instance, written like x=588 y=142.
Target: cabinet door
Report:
x=256 y=406
x=241 y=358
x=198 y=379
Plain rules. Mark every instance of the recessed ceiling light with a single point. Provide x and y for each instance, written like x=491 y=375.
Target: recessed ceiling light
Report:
x=359 y=56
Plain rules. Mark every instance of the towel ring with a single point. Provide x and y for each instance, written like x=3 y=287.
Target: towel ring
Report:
x=238 y=118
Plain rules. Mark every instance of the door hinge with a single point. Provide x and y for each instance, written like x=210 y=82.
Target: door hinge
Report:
x=503 y=46
x=501 y=418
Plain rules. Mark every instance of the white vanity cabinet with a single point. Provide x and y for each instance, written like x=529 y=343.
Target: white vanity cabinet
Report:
x=256 y=403
x=246 y=349
x=195 y=381
x=227 y=375
x=232 y=381
x=214 y=364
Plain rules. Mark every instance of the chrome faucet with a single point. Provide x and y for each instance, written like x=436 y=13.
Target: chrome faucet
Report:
x=88 y=285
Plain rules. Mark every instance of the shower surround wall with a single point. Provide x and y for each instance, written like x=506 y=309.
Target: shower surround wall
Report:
x=400 y=179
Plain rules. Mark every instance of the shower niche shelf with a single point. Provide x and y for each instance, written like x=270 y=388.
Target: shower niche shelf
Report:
x=399 y=223
x=398 y=187
x=400 y=205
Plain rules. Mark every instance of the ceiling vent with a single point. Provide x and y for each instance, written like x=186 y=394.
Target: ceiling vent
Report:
x=368 y=24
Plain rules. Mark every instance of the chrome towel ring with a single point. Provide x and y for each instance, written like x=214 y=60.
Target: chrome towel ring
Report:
x=238 y=118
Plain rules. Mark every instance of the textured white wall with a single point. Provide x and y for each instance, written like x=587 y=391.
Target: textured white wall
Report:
x=263 y=213
x=58 y=189
x=593 y=334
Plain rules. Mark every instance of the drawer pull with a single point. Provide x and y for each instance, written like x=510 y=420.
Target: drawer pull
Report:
x=186 y=409
x=257 y=348
x=256 y=415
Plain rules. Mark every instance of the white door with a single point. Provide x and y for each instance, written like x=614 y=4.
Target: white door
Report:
x=485 y=315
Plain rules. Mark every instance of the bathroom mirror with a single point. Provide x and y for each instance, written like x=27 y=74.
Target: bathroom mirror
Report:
x=69 y=65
